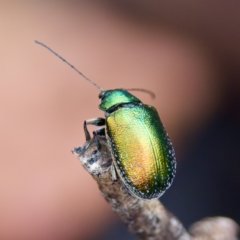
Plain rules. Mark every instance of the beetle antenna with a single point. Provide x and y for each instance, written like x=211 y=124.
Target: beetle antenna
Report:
x=64 y=60
x=152 y=94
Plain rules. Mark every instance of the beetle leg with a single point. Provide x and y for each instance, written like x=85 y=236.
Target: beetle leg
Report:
x=114 y=173
x=97 y=141
x=100 y=132
x=98 y=121
x=87 y=135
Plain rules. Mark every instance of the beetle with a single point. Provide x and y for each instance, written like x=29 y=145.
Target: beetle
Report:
x=143 y=155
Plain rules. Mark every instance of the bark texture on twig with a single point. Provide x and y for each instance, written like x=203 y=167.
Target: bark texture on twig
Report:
x=149 y=220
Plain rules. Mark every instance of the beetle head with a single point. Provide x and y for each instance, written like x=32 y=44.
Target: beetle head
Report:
x=110 y=98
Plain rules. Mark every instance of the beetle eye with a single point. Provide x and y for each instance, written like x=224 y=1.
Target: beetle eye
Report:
x=101 y=94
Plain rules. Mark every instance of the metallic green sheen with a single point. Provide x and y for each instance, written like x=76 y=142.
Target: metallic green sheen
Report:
x=142 y=152
x=111 y=98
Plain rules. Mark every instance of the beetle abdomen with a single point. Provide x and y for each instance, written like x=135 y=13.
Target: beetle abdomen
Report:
x=143 y=154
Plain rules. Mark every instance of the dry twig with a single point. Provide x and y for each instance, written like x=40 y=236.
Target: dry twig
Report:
x=149 y=220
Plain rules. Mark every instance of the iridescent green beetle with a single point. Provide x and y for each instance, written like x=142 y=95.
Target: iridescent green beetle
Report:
x=143 y=155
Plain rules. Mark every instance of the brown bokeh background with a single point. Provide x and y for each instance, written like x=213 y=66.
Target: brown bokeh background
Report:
x=188 y=53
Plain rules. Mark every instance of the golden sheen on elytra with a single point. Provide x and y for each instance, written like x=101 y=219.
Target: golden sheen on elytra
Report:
x=143 y=154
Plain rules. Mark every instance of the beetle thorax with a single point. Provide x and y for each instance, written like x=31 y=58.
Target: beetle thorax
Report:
x=112 y=98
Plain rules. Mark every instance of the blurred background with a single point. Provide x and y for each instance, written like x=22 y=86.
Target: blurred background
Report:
x=187 y=52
